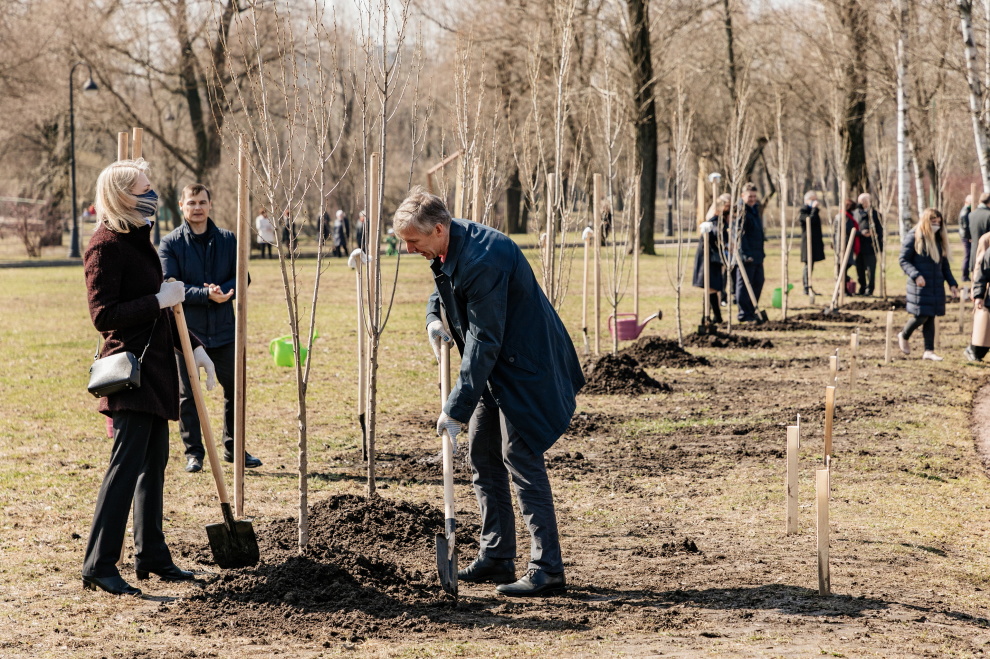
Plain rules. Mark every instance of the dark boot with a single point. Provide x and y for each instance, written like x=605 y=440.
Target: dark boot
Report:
x=715 y=310
x=535 y=583
x=489 y=570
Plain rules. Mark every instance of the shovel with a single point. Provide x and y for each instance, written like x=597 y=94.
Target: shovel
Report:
x=840 y=279
x=232 y=542
x=761 y=315
x=446 y=546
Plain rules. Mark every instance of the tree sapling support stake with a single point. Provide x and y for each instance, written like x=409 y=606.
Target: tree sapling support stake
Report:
x=240 y=321
x=822 y=479
x=890 y=333
x=829 y=417
x=793 y=443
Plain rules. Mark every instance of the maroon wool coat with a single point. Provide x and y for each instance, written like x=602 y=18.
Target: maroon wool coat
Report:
x=123 y=274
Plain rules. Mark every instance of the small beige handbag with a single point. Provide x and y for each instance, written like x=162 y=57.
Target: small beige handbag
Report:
x=981 y=326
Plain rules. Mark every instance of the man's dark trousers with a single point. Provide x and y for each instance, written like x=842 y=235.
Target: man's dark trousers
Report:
x=137 y=469
x=866 y=268
x=495 y=453
x=189 y=428
x=747 y=310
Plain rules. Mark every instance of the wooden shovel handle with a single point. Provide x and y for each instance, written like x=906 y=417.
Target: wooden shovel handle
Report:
x=204 y=419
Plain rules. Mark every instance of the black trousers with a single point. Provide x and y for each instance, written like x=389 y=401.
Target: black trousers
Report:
x=747 y=309
x=496 y=452
x=927 y=325
x=967 y=247
x=866 y=270
x=136 y=472
x=263 y=247
x=189 y=428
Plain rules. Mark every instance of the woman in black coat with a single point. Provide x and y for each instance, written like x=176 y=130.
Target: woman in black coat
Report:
x=810 y=210
x=715 y=226
x=131 y=308
x=925 y=260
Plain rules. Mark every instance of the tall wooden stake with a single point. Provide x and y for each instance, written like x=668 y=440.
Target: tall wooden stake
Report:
x=587 y=236
x=548 y=251
x=784 y=256
x=356 y=261
x=810 y=263
x=240 y=327
x=890 y=334
x=597 y=226
x=459 y=189
x=829 y=416
x=374 y=240
x=637 y=222
x=853 y=348
x=822 y=479
x=137 y=142
x=706 y=260
x=833 y=370
x=477 y=205
x=842 y=241
x=122 y=145
x=793 y=443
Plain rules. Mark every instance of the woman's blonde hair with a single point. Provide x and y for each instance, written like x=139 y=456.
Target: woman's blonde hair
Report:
x=924 y=237
x=718 y=206
x=115 y=203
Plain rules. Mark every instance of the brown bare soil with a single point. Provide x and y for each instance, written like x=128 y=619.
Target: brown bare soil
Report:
x=620 y=374
x=834 y=317
x=719 y=339
x=876 y=305
x=655 y=352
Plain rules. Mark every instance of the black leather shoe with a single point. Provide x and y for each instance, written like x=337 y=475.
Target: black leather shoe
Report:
x=113 y=585
x=249 y=460
x=489 y=570
x=170 y=573
x=194 y=464
x=535 y=583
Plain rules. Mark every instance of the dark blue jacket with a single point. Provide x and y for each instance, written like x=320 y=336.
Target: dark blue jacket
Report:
x=751 y=236
x=930 y=299
x=514 y=348
x=214 y=261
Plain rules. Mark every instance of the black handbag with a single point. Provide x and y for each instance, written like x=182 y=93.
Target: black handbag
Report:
x=117 y=372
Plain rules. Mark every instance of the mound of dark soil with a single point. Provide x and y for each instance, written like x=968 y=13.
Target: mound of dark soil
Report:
x=723 y=340
x=621 y=374
x=834 y=317
x=875 y=305
x=586 y=424
x=782 y=326
x=654 y=352
x=370 y=565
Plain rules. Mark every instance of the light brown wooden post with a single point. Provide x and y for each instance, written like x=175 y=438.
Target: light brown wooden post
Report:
x=477 y=205
x=706 y=239
x=810 y=263
x=637 y=222
x=548 y=250
x=459 y=189
x=854 y=348
x=791 y=507
x=356 y=261
x=784 y=256
x=137 y=139
x=890 y=333
x=842 y=241
x=822 y=479
x=374 y=240
x=597 y=226
x=122 y=145
x=240 y=327
x=833 y=370
x=829 y=417
x=587 y=236
x=799 y=430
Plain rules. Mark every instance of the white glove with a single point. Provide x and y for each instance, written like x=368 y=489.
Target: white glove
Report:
x=452 y=426
x=706 y=227
x=437 y=334
x=204 y=362
x=171 y=294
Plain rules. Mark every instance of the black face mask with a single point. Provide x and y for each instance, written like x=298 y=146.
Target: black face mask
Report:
x=147 y=204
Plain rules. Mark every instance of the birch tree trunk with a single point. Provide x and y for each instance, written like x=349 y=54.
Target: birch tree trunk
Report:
x=980 y=132
x=903 y=183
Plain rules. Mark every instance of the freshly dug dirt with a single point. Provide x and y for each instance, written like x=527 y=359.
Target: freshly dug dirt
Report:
x=370 y=565
x=783 y=326
x=723 y=340
x=654 y=352
x=876 y=305
x=834 y=317
x=622 y=374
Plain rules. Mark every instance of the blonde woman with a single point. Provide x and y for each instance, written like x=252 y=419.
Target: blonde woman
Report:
x=131 y=308
x=925 y=261
x=716 y=225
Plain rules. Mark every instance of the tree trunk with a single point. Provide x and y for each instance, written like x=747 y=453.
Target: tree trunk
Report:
x=646 y=117
x=856 y=21
x=730 y=52
x=513 y=199
x=903 y=182
x=975 y=90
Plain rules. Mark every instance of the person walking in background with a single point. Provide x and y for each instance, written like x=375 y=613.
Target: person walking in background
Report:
x=750 y=241
x=840 y=250
x=131 y=306
x=871 y=234
x=810 y=211
x=341 y=233
x=718 y=217
x=925 y=261
x=266 y=233
x=979 y=225
x=966 y=238
x=200 y=251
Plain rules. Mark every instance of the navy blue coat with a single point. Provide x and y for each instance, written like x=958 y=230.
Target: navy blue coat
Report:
x=514 y=348
x=195 y=263
x=929 y=300
x=751 y=236
x=716 y=279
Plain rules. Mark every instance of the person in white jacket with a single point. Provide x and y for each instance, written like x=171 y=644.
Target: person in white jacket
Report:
x=266 y=233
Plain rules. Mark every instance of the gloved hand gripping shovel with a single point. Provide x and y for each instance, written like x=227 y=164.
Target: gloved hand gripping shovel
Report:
x=446 y=547
x=232 y=542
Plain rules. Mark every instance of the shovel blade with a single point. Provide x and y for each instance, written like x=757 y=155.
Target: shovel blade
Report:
x=447 y=563
x=233 y=548
x=762 y=317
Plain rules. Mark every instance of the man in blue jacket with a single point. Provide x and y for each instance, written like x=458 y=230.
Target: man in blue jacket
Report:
x=200 y=251
x=750 y=240
x=516 y=388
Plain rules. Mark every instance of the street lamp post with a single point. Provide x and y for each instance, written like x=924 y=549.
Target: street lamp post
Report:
x=90 y=86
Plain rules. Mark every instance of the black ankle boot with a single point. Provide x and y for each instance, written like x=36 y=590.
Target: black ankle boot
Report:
x=113 y=585
x=489 y=570
x=170 y=573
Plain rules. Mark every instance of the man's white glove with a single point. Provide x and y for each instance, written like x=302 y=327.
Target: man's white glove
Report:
x=706 y=227
x=204 y=362
x=170 y=294
x=437 y=335
x=452 y=426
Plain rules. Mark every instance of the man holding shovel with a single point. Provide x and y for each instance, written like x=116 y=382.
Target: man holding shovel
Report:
x=750 y=241
x=516 y=388
x=199 y=251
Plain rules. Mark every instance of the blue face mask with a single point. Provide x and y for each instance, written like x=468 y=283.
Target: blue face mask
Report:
x=147 y=203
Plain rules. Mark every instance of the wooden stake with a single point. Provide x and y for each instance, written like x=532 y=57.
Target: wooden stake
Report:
x=784 y=256
x=477 y=205
x=822 y=479
x=707 y=266
x=548 y=252
x=637 y=222
x=833 y=370
x=436 y=168
x=587 y=235
x=459 y=190
x=137 y=137
x=122 y=145
x=890 y=335
x=356 y=261
x=829 y=416
x=811 y=261
x=799 y=430
x=374 y=240
x=854 y=348
x=597 y=226
x=842 y=241
x=791 y=493
x=702 y=168
x=240 y=321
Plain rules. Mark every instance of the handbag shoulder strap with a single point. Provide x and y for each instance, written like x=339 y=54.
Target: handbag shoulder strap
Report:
x=99 y=340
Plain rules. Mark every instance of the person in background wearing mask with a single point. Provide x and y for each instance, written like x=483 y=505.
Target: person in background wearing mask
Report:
x=925 y=261
x=871 y=232
x=966 y=237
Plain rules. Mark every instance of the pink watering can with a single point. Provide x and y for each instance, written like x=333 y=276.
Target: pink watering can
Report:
x=624 y=325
